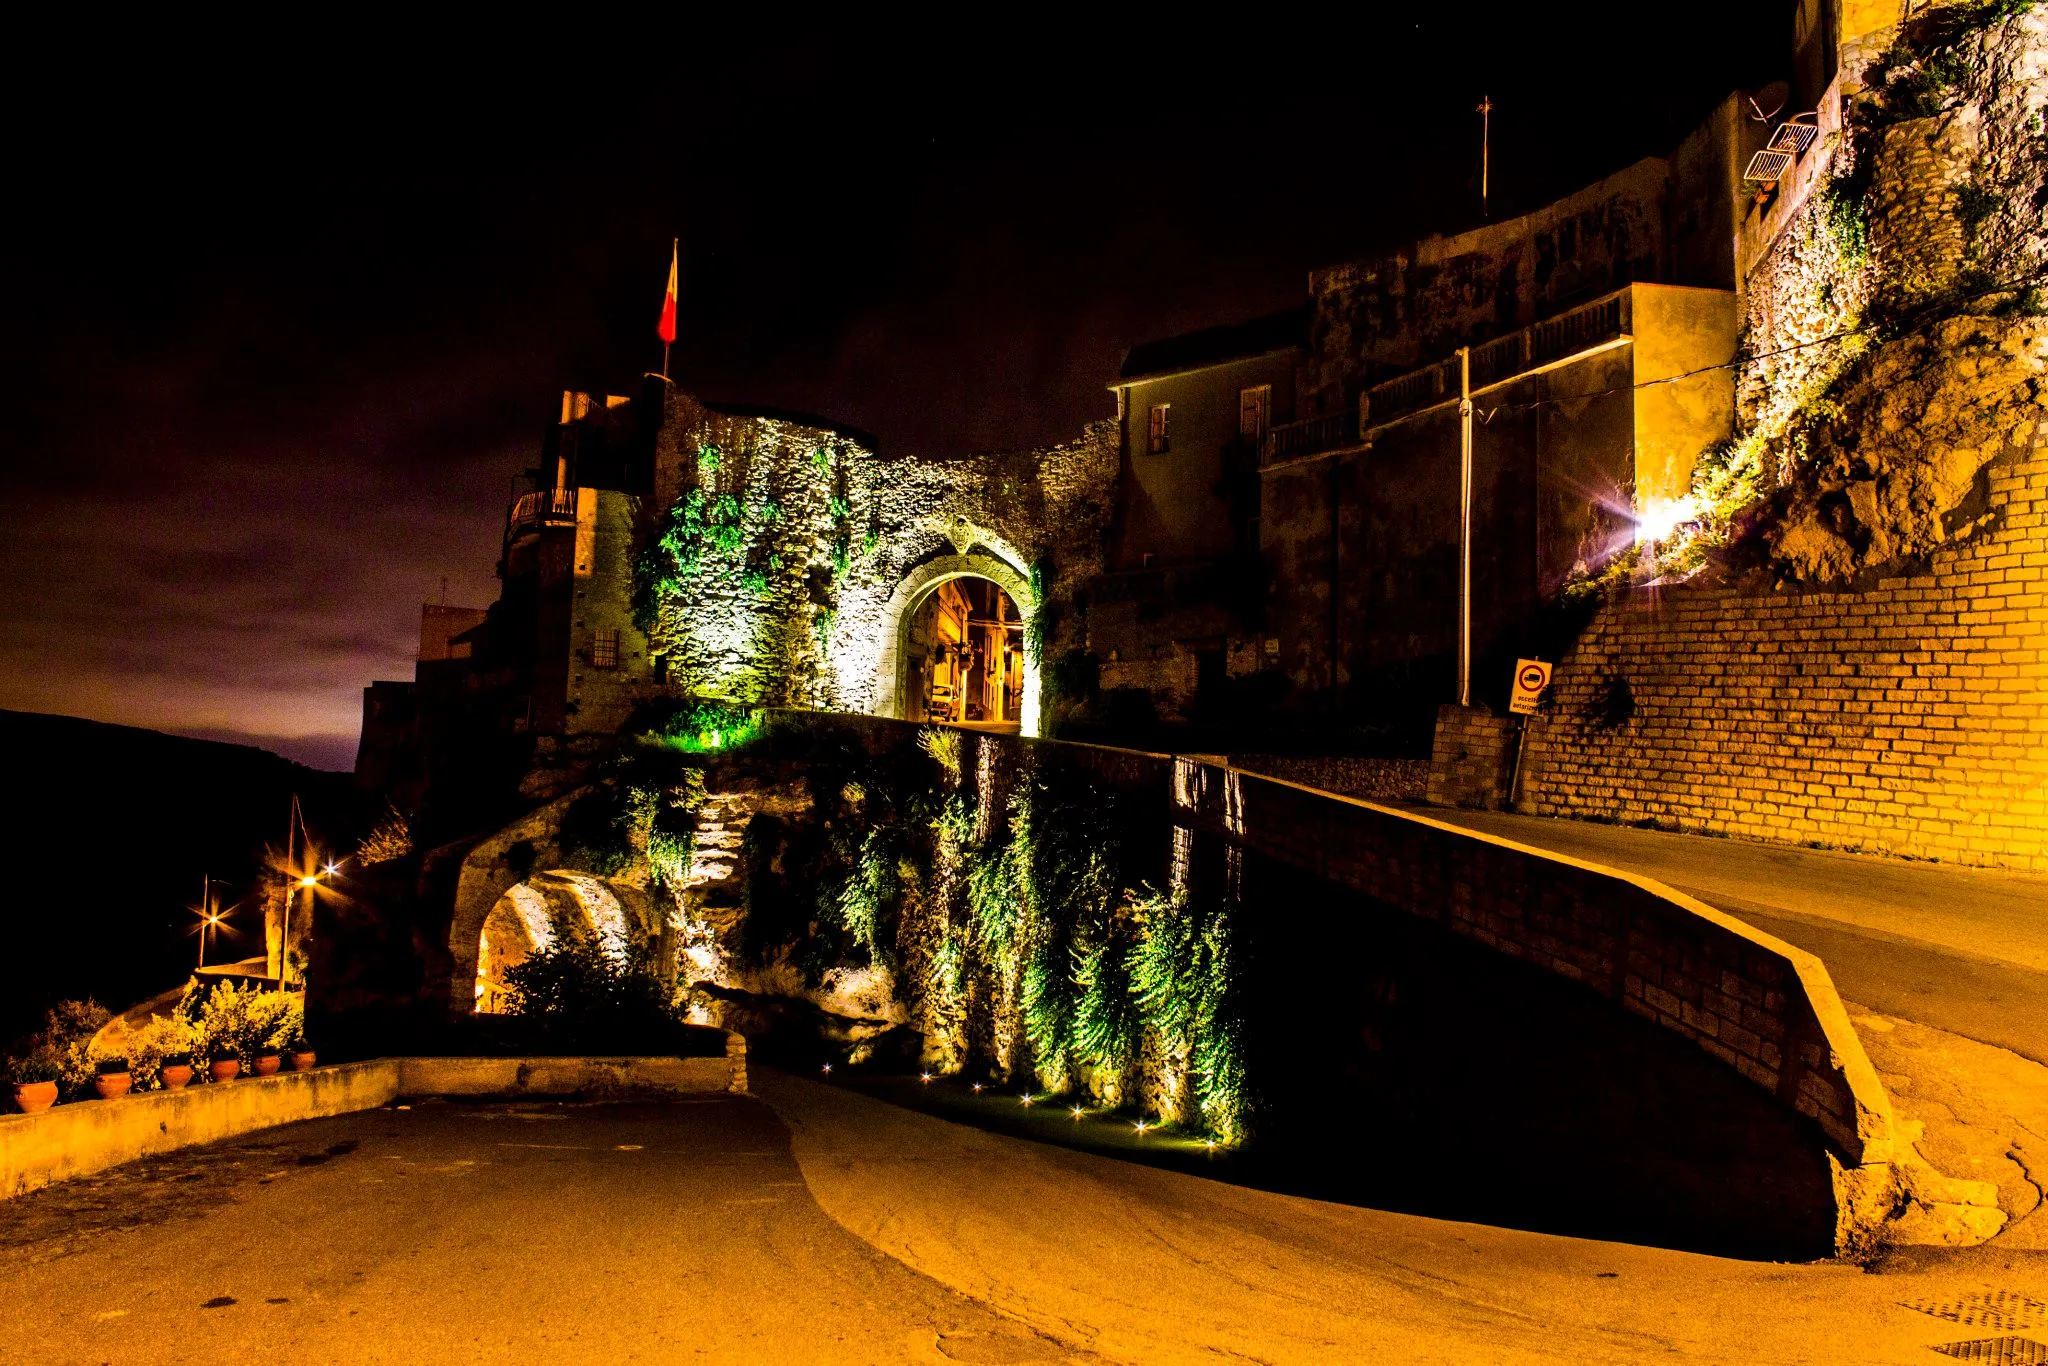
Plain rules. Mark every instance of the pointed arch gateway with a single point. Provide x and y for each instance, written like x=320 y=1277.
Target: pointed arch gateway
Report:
x=904 y=670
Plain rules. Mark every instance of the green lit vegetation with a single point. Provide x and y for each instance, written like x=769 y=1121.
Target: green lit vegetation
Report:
x=696 y=725
x=1016 y=920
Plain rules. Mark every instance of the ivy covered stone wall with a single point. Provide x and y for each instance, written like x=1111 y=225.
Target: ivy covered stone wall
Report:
x=778 y=550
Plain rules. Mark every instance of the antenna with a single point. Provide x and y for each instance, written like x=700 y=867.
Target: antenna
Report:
x=1766 y=103
x=1485 y=112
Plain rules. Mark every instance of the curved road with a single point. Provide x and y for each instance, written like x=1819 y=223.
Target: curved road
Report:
x=1962 y=949
x=825 y=1226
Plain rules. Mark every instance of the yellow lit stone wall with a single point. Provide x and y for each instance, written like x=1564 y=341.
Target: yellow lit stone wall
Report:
x=1908 y=718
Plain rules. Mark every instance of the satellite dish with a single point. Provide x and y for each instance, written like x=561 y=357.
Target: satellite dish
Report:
x=1765 y=104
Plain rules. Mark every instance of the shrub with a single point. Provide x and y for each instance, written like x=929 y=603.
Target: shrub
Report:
x=577 y=994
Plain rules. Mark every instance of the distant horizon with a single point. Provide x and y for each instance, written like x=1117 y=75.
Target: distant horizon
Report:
x=322 y=753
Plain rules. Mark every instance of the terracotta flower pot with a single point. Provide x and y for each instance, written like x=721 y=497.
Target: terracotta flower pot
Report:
x=267 y=1064
x=175 y=1075
x=224 y=1069
x=303 y=1059
x=112 y=1084
x=34 y=1097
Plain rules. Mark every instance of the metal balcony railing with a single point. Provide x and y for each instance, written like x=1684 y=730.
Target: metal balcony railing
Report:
x=1581 y=329
x=1308 y=436
x=543 y=507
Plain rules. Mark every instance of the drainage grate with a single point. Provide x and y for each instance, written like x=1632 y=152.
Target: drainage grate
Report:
x=2002 y=1311
x=1997 y=1351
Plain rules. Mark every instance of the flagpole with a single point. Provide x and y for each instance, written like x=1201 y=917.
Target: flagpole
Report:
x=675 y=246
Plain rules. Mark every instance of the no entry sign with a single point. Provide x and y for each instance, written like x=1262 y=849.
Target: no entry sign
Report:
x=1532 y=676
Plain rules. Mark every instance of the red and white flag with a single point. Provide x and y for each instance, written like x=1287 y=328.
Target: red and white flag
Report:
x=667 y=328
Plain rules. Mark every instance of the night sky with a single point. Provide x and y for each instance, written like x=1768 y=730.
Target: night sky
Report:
x=280 y=330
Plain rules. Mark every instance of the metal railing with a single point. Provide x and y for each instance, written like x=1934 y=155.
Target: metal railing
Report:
x=543 y=507
x=1580 y=329
x=1308 y=436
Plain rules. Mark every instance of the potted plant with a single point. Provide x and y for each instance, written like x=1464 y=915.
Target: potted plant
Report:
x=303 y=1056
x=226 y=1067
x=176 y=1071
x=110 y=1077
x=35 y=1081
x=267 y=1061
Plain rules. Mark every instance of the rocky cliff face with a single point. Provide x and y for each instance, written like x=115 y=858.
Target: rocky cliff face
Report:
x=1897 y=331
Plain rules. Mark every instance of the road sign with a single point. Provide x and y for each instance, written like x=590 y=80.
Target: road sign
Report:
x=1532 y=676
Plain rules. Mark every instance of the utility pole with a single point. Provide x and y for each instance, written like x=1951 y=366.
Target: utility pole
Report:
x=205 y=913
x=1485 y=112
x=1464 y=526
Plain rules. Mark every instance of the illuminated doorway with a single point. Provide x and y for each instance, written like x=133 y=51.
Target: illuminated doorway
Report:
x=964 y=656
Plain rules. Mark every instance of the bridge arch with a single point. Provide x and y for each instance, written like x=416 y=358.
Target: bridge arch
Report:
x=893 y=673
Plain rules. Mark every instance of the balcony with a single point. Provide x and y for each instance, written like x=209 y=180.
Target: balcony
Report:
x=1310 y=436
x=542 y=507
x=1568 y=334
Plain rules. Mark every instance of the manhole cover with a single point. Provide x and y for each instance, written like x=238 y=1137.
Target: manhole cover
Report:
x=2002 y=1311
x=2000 y=1351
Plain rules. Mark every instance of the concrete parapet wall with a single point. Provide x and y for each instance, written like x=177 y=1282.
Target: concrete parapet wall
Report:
x=567 y=1076
x=1754 y=1002
x=89 y=1136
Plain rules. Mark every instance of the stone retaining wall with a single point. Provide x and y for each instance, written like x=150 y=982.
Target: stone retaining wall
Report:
x=1909 y=719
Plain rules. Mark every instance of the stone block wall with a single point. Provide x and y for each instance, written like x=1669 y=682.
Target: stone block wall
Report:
x=1473 y=757
x=1907 y=718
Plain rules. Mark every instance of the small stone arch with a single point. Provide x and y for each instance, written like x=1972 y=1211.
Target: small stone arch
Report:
x=891 y=672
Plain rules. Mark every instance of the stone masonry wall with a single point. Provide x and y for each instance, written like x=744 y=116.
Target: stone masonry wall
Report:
x=1910 y=718
x=786 y=591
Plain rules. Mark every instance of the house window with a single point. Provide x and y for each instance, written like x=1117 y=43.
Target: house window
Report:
x=604 y=648
x=1159 y=439
x=1254 y=411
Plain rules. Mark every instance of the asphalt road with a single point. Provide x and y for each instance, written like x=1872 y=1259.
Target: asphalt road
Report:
x=819 y=1225
x=1962 y=949
x=449 y=1233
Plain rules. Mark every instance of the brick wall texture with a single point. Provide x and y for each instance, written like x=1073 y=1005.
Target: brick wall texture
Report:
x=1909 y=718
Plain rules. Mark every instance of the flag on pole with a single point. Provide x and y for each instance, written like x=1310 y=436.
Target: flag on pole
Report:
x=667 y=328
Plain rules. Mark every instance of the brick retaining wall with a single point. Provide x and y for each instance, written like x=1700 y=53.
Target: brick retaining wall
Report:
x=1909 y=719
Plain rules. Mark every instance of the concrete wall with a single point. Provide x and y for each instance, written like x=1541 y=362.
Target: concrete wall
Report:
x=84 y=1137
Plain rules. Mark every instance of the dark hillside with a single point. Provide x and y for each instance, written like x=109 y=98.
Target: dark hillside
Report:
x=111 y=829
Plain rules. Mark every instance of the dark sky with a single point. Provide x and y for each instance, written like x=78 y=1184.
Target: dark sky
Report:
x=279 y=329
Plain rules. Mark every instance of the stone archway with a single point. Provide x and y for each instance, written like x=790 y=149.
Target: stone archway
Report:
x=893 y=668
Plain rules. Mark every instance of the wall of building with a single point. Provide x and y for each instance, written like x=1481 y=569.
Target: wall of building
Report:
x=1197 y=500
x=1685 y=394
x=1375 y=317
x=1363 y=544
x=600 y=699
